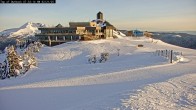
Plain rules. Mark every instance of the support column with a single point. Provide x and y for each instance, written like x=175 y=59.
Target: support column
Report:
x=64 y=38
x=49 y=41
x=56 y=38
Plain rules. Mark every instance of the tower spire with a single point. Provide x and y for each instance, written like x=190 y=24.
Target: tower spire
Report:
x=100 y=15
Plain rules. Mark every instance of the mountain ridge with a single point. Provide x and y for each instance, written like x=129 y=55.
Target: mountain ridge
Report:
x=26 y=30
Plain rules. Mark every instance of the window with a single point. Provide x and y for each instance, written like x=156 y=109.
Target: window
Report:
x=75 y=37
x=67 y=37
x=60 y=37
x=53 y=37
x=45 y=38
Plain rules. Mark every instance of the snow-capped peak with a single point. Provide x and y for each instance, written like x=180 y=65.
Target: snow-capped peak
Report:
x=26 y=30
x=31 y=24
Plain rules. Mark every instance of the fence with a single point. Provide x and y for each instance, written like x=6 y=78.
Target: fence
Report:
x=171 y=55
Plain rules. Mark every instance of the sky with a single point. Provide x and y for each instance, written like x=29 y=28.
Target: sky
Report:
x=146 y=15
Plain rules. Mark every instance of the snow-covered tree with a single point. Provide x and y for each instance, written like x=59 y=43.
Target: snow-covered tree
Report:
x=16 y=64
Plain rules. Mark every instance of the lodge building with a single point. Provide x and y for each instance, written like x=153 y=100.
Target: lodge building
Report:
x=77 y=31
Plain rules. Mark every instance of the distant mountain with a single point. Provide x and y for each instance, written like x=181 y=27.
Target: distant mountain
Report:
x=8 y=36
x=27 y=30
x=179 y=39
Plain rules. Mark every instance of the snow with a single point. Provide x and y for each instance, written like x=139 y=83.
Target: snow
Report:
x=102 y=23
x=99 y=22
x=176 y=93
x=176 y=36
x=28 y=29
x=65 y=80
x=118 y=34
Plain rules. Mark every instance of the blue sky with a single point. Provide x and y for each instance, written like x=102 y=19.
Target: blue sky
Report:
x=150 y=15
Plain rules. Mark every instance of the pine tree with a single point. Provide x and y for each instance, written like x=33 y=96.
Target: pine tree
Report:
x=15 y=64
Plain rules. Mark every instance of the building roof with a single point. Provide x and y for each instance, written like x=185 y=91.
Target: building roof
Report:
x=82 y=24
x=79 y=24
x=59 y=26
x=99 y=12
x=109 y=24
x=54 y=28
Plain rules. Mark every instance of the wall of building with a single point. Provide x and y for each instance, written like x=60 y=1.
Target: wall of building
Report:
x=65 y=34
x=76 y=31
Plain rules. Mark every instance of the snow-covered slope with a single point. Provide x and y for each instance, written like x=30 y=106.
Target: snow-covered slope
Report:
x=175 y=94
x=65 y=80
x=28 y=29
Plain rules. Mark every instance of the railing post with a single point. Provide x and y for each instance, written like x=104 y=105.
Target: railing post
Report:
x=171 y=56
x=166 y=53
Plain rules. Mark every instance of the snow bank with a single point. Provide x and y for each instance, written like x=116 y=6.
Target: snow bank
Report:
x=183 y=59
x=180 y=58
x=118 y=34
x=177 y=93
